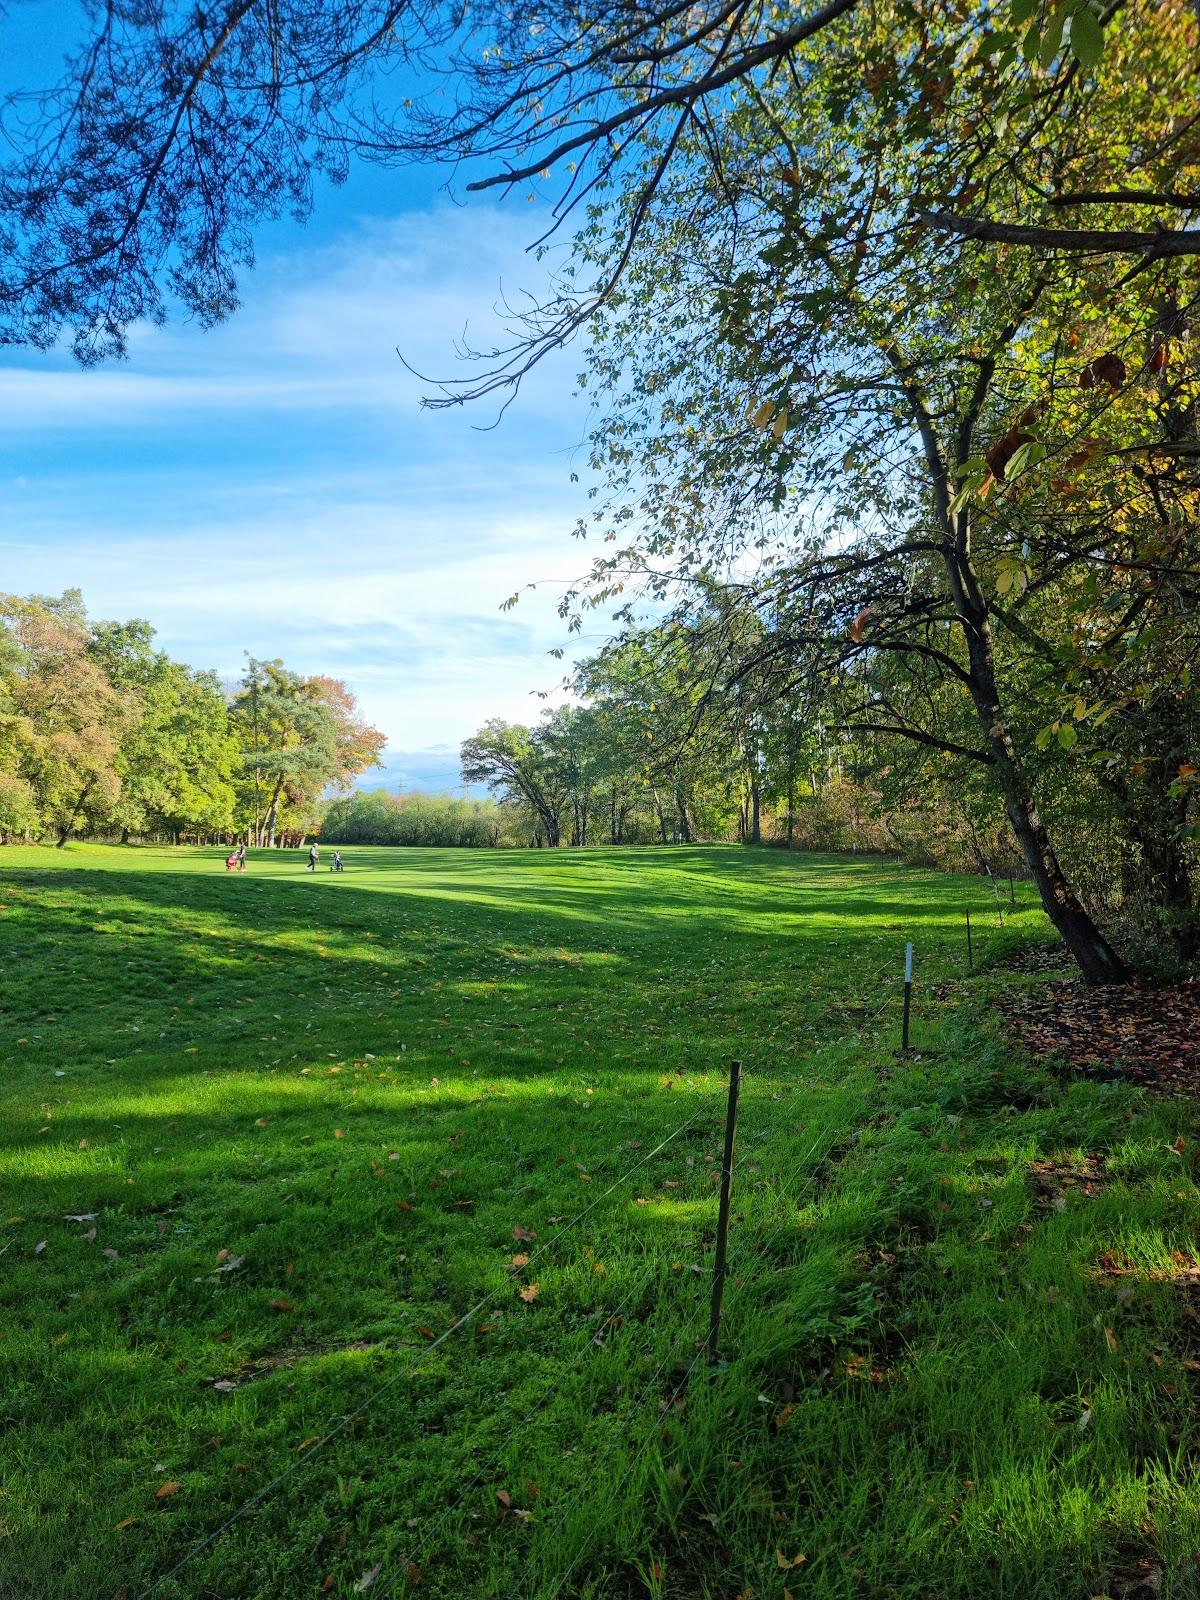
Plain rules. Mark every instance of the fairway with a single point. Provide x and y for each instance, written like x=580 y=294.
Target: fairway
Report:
x=269 y=1139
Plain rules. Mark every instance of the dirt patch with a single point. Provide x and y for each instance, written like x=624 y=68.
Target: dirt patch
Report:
x=1150 y=1035
x=1055 y=1178
x=1035 y=958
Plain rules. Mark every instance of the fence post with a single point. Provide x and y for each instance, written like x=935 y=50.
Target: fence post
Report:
x=714 y=1318
x=970 y=950
x=996 y=892
x=907 y=995
x=1012 y=893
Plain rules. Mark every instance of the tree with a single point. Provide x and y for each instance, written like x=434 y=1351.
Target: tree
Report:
x=177 y=762
x=299 y=737
x=904 y=436
x=69 y=720
x=515 y=762
x=176 y=131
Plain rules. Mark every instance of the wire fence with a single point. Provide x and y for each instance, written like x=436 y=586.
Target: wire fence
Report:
x=748 y=1267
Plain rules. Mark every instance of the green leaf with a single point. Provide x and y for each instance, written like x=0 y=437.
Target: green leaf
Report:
x=1023 y=10
x=1052 y=38
x=1087 y=37
x=1067 y=737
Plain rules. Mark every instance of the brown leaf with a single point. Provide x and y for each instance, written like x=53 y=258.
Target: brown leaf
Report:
x=281 y=1305
x=1110 y=1339
x=339 y=1133
x=530 y=1293
x=858 y=626
x=166 y=1490
x=504 y=1498
x=522 y=1233
x=330 y=1580
x=412 y=1572
x=125 y=1522
x=782 y=1416
x=788 y=1563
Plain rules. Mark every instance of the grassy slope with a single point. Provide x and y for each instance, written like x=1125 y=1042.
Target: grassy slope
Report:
x=360 y=1085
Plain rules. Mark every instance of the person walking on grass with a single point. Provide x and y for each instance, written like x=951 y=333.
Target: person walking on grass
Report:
x=241 y=857
x=314 y=856
x=337 y=861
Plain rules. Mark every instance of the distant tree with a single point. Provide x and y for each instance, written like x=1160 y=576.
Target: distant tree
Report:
x=515 y=762
x=299 y=737
x=177 y=763
x=70 y=719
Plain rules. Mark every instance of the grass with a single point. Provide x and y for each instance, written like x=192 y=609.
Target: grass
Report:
x=962 y=1323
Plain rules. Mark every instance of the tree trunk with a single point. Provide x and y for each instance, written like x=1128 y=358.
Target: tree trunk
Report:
x=1097 y=960
x=268 y=822
x=67 y=827
x=755 y=807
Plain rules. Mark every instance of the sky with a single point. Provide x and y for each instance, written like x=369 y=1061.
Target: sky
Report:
x=274 y=487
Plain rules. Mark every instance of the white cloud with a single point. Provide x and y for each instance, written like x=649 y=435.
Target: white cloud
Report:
x=273 y=487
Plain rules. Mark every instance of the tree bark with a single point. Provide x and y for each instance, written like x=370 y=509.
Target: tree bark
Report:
x=69 y=825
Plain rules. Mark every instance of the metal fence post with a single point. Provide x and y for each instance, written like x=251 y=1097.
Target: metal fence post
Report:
x=907 y=995
x=970 y=949
x=714 y=1319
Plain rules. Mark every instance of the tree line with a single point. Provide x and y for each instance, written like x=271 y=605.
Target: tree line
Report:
x=887 y=314
x=103 y=734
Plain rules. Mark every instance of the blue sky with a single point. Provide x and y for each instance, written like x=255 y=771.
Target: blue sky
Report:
x=273 y=485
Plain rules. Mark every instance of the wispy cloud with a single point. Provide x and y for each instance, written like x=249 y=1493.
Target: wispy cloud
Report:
x=273 y=486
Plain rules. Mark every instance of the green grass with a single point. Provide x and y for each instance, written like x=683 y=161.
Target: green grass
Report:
x=960 y=1333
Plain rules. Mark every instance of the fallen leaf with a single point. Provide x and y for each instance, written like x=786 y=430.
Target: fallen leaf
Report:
x=1110 y=1339
x=81 y=1216
x=504 y=1498
x=339 y=1133
x=368 y=1578
x=783 y=1561
x=90 y=1236
x=261 y=1122
x=166 y=1490
x=113 y=1255
x=225 y=1385
x=530 y=1293
x=782 y=1416
x=125 y=1522
x=520 y=1261
x=281 y=1305
x=39 y=1247
x=330 y=1580
x=412 y=1572
x=522 y=1233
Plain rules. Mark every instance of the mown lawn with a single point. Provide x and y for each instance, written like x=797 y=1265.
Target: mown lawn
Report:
x=307 y=1123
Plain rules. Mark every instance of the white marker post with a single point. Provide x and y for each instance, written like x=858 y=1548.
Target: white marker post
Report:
x=907 y=994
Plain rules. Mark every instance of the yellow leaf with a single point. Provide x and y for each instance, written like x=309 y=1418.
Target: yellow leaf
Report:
x=530 y=1293
x=1110 y=1339
x=782 y=1561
